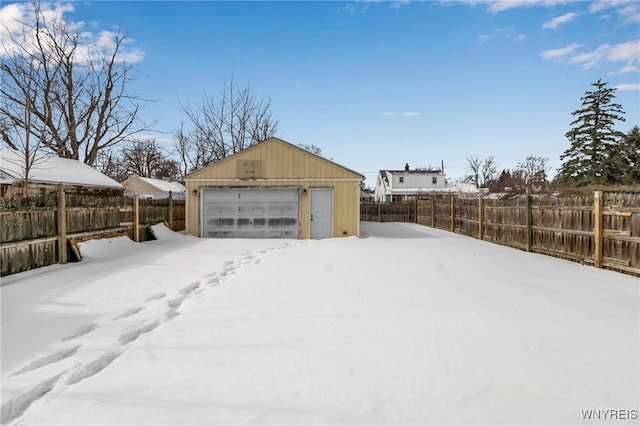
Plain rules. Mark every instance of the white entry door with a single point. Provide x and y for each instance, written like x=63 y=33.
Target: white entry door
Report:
x=250 y=213
x=321 y=210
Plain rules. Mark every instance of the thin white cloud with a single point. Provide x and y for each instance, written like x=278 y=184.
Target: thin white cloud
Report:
x=561 y=52
x=387 y=113
x=628 y=52
x=502 y=5
x=628 y=10
x=348 y=8
x=591 y=59
x=626 y=69
x=502 y=33
x=600 y=5
x=559 y=20
x=628 y=86
x=397 y=4
x=363 y=5
x=630 y=14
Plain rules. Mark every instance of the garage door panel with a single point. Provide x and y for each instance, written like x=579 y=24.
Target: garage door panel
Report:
x=217 y=196
x=227 y=222
x=251 y=213
x=217 y=209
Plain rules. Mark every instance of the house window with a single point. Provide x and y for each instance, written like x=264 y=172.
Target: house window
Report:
x=434 y=180
x=401 y=179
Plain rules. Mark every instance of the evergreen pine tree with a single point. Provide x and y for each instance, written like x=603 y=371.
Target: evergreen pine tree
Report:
x=593 y=157
x=631 y=152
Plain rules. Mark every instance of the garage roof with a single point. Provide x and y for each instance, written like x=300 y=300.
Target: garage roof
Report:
x=261 y=145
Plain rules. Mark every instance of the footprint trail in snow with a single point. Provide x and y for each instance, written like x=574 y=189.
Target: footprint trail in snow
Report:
x=84 y=353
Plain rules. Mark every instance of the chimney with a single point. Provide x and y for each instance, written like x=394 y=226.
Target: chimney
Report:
x=406 y=167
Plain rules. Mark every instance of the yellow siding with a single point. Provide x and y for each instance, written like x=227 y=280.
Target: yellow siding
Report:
x=283 y=165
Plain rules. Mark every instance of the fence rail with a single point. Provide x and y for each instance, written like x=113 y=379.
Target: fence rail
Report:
x=43 y=230
x=602 y=229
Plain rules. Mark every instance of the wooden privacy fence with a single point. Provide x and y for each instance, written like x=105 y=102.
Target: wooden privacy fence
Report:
x=42 y=230
x=602 y=229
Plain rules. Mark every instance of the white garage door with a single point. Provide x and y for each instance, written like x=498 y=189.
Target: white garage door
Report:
x=250 y=213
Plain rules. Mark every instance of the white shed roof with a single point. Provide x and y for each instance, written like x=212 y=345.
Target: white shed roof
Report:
x=53 y=170
x=164 y=185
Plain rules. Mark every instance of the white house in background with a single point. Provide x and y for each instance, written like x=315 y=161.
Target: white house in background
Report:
x=402 y=185
x=48 y=173
x=153 y=189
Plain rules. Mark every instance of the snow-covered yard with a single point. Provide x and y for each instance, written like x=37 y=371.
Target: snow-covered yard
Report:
x=408 y=325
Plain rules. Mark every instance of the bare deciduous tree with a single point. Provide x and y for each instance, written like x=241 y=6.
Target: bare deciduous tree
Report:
x=146 y=158
x=223 y=126
x=82 y=105
x=489 y=171
x=142 y=157
x=473 y=166
x=21 y=116
x=138 y=157
x=110 y=163
x=482 y=172
x=534 y=170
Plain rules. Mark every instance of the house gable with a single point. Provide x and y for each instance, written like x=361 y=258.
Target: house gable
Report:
x=392 y=184
x=136 y=184
x=274 y=159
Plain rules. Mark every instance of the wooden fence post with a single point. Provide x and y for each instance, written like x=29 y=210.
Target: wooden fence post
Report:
x=597 y=229
x=416 y=218
x=62 y=226
x=528 y=222
x=480 y=218
x=433 y=212
x=453 y=213
x=379 y=211
x=136 y=219
x=170 y=211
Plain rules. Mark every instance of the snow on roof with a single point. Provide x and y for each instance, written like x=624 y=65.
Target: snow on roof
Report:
x=54 y=170
x=451 y=187
x=414 y=172
x=5 y=178
x=164 y=185
x=463 y=187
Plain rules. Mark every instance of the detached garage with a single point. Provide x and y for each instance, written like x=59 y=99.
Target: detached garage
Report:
x=273 y=190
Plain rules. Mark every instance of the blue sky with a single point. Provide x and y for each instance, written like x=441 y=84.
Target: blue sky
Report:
x=377 y=84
